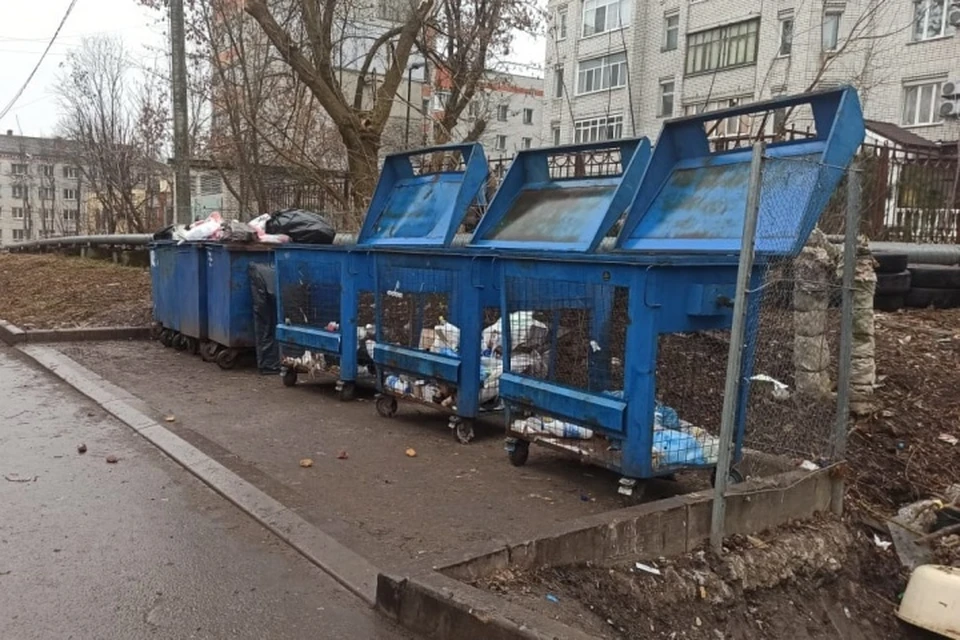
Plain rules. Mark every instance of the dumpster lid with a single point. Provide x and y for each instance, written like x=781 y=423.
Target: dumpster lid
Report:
x=563 y=198
x=692 y=199
x=422 y=196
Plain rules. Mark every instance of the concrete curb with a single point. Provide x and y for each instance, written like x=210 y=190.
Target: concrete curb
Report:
x=348 y=568
x=14 y=335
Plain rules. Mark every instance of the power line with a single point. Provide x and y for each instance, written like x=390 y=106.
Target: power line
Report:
x=23 y=88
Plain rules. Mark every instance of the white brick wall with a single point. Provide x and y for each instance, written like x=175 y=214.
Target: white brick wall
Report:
x=878 y=64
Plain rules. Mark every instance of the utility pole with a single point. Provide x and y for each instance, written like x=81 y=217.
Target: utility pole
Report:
x=181 y=144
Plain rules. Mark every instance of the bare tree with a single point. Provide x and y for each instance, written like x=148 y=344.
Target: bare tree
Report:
x=117 y=119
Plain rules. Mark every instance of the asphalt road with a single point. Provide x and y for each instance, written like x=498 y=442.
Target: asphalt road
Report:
x=139 y=548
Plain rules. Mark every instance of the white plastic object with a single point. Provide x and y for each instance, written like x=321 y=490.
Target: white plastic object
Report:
x=932 y=600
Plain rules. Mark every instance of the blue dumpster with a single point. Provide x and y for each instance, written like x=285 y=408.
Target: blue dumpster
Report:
x=163 y=260
x=190 y=293
x=438 y=311
x=672 y=272
x=325 y=299
x=229 y=304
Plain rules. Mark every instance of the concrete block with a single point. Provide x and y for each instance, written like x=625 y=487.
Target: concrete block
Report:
x=477 y=565
x=699 y=518
x=11 y=334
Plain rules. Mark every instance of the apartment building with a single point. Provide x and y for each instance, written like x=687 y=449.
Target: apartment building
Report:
x=507 y=109
x=617 y=68
x=42 y=193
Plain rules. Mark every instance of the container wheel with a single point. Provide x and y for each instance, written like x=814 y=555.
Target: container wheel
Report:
x=156 y=330
x=227 y=359
x=209 y=350
x=387 y=406
x=518 y=451
x=463 y=431
x=347 y=391
x=733 y=477
x=166 y=338
x=179 y=342
x=192 y=345
x=289 y=377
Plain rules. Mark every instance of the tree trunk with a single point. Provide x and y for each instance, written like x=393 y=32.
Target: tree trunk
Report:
x=362 y=171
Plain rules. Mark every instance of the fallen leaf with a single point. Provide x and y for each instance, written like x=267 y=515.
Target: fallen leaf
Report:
x=170 y=418
x=306 y=463
x=949 y=439
x=342 y=455
x=411 y=453
x=112 y=459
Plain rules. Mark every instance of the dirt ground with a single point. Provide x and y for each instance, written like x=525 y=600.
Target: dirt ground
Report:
x=53 y=291
x=450 y=498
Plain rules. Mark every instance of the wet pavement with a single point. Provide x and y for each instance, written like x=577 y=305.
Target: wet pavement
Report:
x=139 y=548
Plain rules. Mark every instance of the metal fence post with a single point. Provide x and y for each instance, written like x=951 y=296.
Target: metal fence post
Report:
x=731 y=391
x=838 y=443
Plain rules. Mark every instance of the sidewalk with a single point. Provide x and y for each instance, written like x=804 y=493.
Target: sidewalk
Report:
x=139 y=548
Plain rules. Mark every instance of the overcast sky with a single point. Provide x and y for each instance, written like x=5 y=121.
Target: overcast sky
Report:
x=27 y=26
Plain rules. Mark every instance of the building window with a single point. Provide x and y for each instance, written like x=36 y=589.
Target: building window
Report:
x=46 y=193
x=723 y=47
x=920 y=103
x=501 y=144
x=425 y=106
x=473 y=109
x=600 y=16
x=558 y=81
x=69 y=194
x=17 y=212
x=555 y=135
x=18 y=235
x=70 y=214
x=786 y=37
x=930 y=19
x=70 y=172
x=562 y=22
x=526 y=143
x=46 y=170
x=830 y=30
x=18 y=169
x=503 y=111
x=728 y=127
x=606 y=72
x=528 y=116
x=597 y=129
x=210 y=185
x=19 y=191
x=671 y=32
x=392 y=10
x=440 y=100
x=667 y=88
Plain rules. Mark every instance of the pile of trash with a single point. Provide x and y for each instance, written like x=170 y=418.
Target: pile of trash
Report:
x=927 y=531
x=676 y=442
x=528 y=337
x=290 y=225
x=314 y=364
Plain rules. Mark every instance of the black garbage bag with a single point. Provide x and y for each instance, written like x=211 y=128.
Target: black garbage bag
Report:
x=165 y=234
x=236 y=231
x=303 y=227
x=263 y=290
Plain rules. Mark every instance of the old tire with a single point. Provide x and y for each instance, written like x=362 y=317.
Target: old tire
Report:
x=890 y=262
x=733 y=477
x=934 y=276
x=386 y=406
x=289 y=377
x=888 y=304
x=518 y=452
x=227 y=359
x=893 y=284
x=922 y=298
x=463 y=431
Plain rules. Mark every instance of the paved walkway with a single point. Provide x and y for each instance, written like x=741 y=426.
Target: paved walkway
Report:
x=140 y=548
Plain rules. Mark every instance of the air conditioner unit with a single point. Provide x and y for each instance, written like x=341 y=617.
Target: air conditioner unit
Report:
x=954 y=17
x=950 y=88
x=950 y=109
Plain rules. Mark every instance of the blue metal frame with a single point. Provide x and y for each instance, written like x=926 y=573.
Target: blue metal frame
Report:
x=191 y=290
x=406 y=210
x=474 y=271
x=426 y=209
x=163 y=262
x=677 y=254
